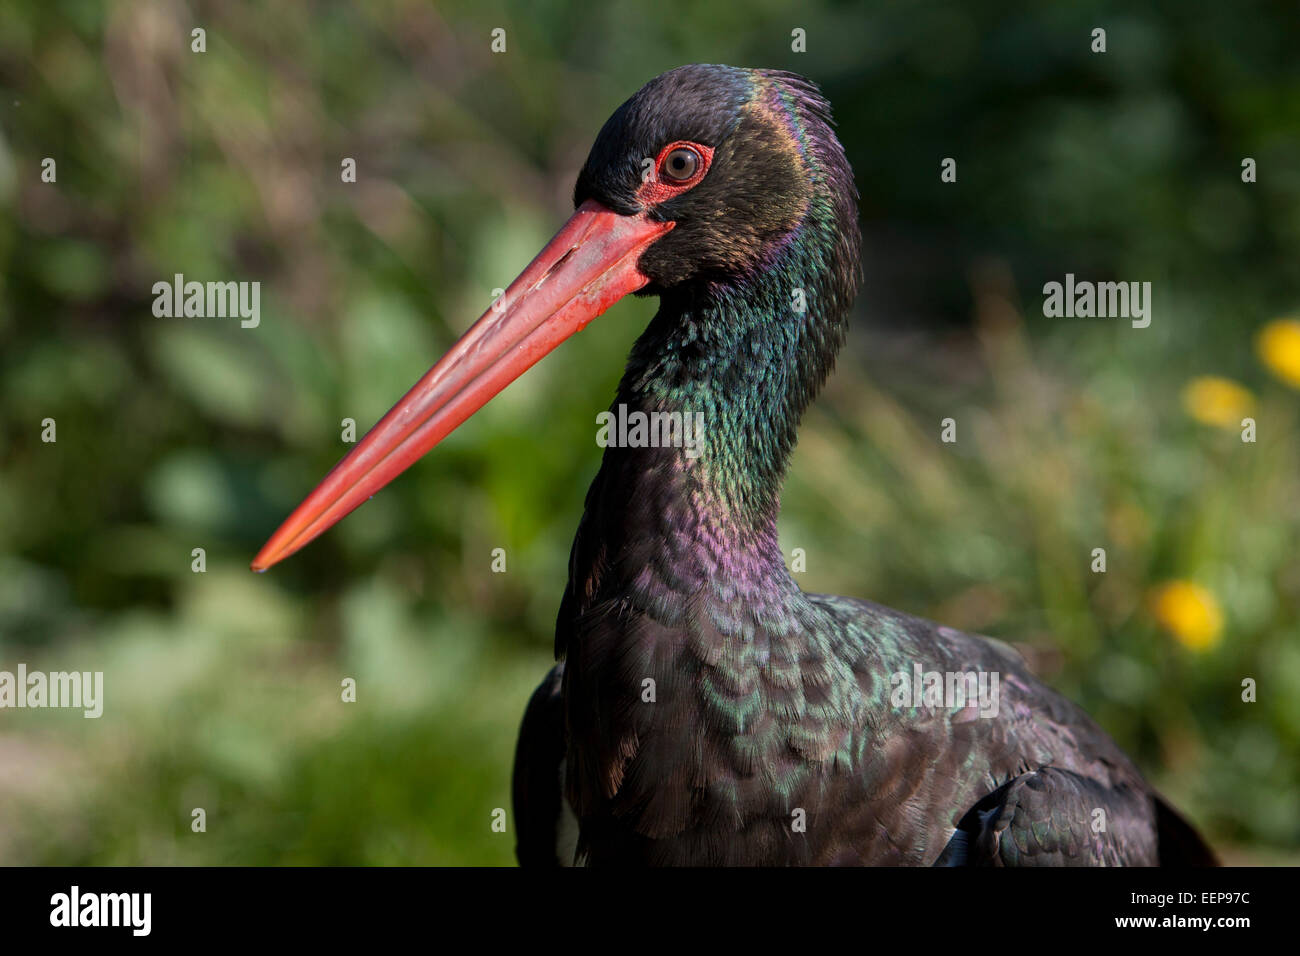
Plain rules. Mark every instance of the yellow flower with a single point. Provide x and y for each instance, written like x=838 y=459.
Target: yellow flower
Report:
x=1217 y=401
x=1278 y=344
x=1189 y=612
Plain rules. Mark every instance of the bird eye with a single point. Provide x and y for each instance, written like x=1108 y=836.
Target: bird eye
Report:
x=681 y=164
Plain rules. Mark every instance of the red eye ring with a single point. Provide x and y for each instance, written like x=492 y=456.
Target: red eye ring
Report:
x=663 y=185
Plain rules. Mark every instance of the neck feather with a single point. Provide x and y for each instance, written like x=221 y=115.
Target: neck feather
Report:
x=741 y=360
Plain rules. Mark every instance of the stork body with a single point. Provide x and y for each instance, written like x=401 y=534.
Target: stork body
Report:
x=706 y=711
x=768 y=701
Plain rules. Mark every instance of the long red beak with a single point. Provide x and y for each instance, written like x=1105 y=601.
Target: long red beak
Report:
x=586 y=268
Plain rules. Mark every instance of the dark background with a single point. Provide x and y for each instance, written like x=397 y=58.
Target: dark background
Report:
x=222 y=687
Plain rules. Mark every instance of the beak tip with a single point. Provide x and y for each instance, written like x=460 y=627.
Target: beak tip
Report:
x=262 y=562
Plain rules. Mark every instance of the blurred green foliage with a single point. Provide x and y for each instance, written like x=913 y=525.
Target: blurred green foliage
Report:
x=222 y=688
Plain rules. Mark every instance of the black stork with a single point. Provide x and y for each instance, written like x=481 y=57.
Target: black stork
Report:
x=705 y=710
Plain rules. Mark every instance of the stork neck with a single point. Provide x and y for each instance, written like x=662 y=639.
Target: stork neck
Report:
x=738 y=363
x=741 y=360
x=720 y=365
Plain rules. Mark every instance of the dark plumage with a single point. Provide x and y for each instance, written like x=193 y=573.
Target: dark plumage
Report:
x=768 y=701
